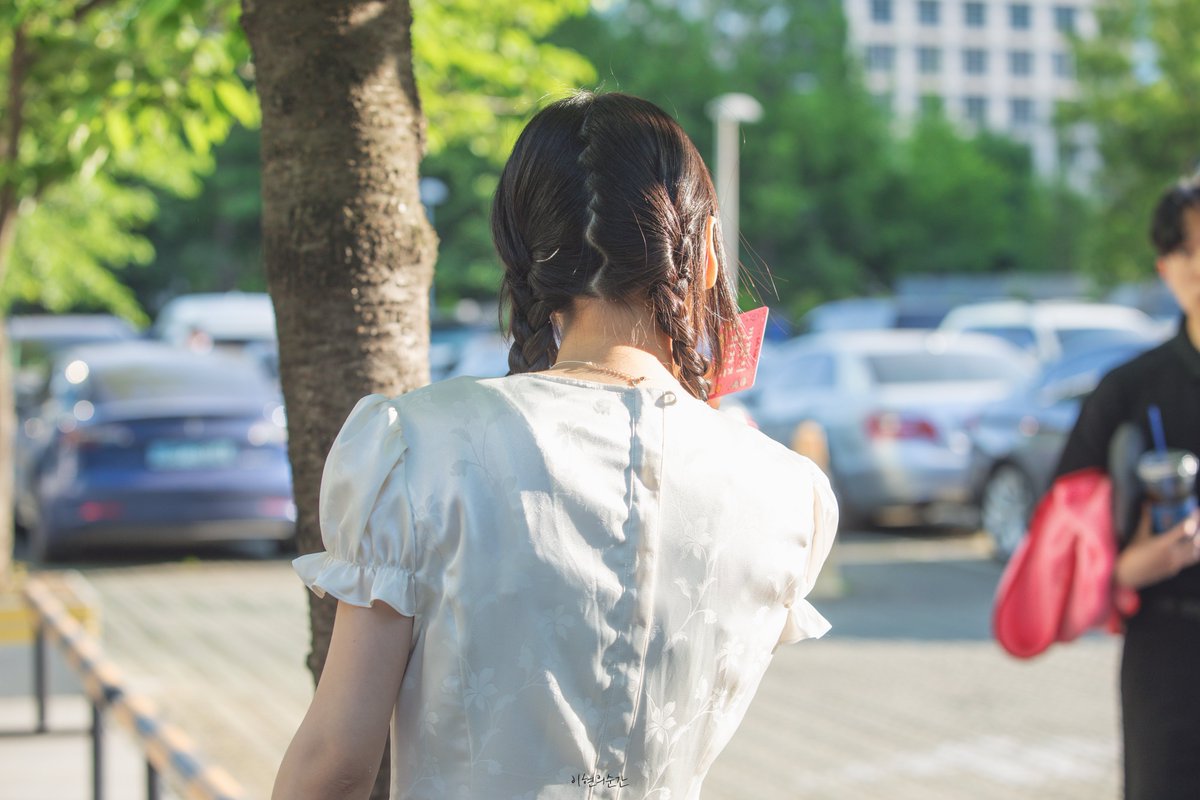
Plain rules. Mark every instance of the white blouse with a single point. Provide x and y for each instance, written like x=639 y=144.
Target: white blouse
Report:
x=598 y=577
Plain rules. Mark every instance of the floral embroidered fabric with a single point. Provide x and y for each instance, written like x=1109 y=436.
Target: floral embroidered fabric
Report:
x=598 y=577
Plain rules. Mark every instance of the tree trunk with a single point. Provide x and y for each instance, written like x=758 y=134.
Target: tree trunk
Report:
x=10 y=144
x=348 y=250
x=8 y=416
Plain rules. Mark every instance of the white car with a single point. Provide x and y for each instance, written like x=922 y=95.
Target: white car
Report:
x=893 y=407
x=1051 y=329
x=230 y=320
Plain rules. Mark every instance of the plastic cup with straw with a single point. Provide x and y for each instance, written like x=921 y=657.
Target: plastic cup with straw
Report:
x=1169 y=478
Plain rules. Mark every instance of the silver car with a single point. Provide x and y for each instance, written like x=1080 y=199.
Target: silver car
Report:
x=893 y=407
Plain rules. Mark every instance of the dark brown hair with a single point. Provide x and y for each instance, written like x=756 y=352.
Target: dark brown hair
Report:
x=605 y=196
x=1167 y=233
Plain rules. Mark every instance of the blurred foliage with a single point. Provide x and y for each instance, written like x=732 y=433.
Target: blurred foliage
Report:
x=116 y=96
x=122 y=95
x=212 y=241
x=481 y=65
x=837 y=198
x=1140 y=90
x=66 y=242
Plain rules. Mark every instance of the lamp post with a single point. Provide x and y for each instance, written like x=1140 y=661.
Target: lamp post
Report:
x=727 y=112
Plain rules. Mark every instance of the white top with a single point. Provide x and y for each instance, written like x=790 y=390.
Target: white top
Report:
x=598 y=576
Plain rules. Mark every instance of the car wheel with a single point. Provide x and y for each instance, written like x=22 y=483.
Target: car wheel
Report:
x=1006 y=507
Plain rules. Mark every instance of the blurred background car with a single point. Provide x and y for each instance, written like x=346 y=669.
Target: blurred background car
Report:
x=1016 y=442
x=874 y=313
x=228 y=321
x=893 y=407
x=449 y=339
x=1051 y=329
x=1152 y=297
x=142 y=443
x=37 y=339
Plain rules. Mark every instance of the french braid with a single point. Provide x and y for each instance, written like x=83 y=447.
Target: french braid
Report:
x=533 y=347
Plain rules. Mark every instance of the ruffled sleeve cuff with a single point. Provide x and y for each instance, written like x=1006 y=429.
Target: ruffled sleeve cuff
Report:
x=803 y=622
x=358 y=584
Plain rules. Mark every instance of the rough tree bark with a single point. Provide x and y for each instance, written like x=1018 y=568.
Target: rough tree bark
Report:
x=348 y=250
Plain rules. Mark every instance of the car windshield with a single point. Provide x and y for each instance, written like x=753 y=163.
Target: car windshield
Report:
x=182 y=381
x=937 y=367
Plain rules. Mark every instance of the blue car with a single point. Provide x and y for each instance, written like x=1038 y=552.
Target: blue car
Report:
x=143 y=443
x=1016 y=442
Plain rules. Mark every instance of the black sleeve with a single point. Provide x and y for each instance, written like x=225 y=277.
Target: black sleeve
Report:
x=1102 y=411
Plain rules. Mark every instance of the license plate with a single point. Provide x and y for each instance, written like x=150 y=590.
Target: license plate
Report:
x=170 y=456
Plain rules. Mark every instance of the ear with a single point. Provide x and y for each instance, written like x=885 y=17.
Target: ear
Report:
x=710 y=254
x=1160 y=264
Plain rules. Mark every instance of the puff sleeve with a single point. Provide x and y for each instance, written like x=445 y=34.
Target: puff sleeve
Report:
x=804 y=621
x=365 y=515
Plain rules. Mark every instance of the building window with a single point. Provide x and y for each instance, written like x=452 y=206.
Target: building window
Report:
x=1064 y=19
x=881 y=10
x=932 y=104
x=929 y=60
x=976 y=108
x=1020 y=63
x=975 y=14
x=1020 y=110
x=1064 y=65
x=929 y=12
x=975 y=61
x=1019 y=17
x=881 y=58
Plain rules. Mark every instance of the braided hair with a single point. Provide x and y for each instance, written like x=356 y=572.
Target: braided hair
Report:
x=605 y=196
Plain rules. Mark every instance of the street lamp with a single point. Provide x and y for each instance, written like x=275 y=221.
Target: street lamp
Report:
x=727 y=112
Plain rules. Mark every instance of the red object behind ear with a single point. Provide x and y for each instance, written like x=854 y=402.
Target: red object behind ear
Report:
x=741 y=365
x=1058 y=584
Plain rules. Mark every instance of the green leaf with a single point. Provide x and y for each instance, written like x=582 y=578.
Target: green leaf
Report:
x=119 y=131
x=239 y=101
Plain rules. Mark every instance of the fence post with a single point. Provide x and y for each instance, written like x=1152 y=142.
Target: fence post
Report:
x=153 y=782
x=97 y=752
x=39 y=674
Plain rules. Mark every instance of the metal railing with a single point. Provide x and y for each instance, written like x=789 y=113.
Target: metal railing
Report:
x=167 y=749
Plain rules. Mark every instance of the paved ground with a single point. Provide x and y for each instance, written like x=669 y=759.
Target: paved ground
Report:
x=908 y=698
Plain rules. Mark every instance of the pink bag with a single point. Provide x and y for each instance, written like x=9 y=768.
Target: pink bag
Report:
x=1058 y=584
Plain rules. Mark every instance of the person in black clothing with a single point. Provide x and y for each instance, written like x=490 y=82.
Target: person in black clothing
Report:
x=1160 y=665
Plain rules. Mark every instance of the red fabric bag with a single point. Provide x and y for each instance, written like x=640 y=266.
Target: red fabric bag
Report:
x=1058 y=584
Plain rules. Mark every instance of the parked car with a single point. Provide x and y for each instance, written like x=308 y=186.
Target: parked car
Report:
x=228 y=321
x=874 y=313
x=37 y=339
x=144 y=443
x=1051 y=330
x=1152 y=297
x=1016 y=442
x=893 y=406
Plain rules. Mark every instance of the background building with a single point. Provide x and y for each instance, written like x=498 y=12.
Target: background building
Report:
x=1002 y=65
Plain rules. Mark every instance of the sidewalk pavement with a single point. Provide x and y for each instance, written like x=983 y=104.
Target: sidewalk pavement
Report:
x=908 y=698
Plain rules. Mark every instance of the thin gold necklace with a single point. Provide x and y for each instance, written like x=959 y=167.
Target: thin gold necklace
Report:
x=592 y=365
